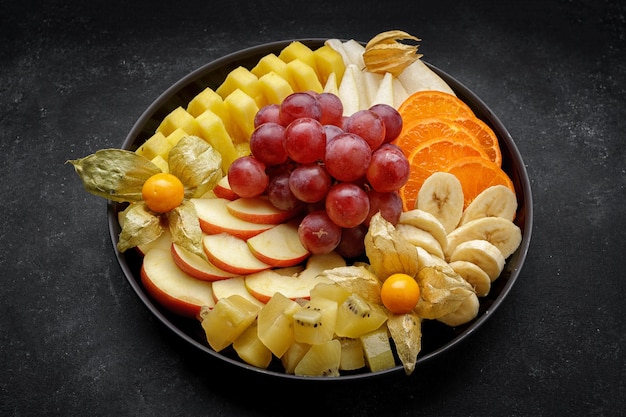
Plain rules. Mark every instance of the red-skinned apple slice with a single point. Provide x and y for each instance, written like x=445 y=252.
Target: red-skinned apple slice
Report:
x=222 y=189
x=264 y=284
x=279 y=246
x=171 y=287
x=197 y=267
x=260 y=210
x=231 y=286
x=215 y=218
x=232 y=254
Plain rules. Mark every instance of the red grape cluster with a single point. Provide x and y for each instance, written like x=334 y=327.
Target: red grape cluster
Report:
x=304 y=152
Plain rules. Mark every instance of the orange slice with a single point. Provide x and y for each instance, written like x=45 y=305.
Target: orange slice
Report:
x=476 y=174
x=485 y=136
x=422 y=104
x=432 y=156
x=419 y=131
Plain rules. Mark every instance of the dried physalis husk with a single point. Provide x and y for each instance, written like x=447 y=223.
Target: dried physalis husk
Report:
x=139 y=226
x=197 y=164
x=406 y=332
x=357 y=280
x=384 y=53
x=388 y=251
x=442 y=291
x=115 y=174
x=185 y=228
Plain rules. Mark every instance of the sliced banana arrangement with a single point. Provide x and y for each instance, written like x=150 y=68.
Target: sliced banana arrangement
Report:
x=472 y=243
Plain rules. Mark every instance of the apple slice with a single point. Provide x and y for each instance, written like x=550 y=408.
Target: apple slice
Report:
x=263 y=285
x=171 y=287
x=232 y=254
x=231 y=286
x=222 y=189
x=259 y=210
x=279 y=246
x=197 y=267
x=215 y=218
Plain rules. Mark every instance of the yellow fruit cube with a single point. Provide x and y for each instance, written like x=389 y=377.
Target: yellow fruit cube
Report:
x=243 y=148
x=274 y=87
x=174 y=137
x=156 y=145
x=303 y=76
x=271 y=63
x=213 y=130
x=161 y=163
x=208 y=99
x=178 y=118
x=298 y=50
x=242 y=109
x=328 y=61
x=241 y=78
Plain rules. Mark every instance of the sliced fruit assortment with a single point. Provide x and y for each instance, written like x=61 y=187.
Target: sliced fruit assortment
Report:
x=342 y=152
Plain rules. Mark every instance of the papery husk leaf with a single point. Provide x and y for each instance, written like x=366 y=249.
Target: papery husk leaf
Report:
x=406 y=332
x=388 y=251
x=383 y=53
x=139 y=226
x=115 y=174
x=357 y=280
x=185 y=228
x=197 y=164
x=441 y=291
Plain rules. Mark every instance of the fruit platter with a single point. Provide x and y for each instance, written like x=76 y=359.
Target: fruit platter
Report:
x=318 y=208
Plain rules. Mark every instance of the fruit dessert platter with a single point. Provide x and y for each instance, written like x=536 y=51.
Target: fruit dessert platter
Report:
x=316 y=209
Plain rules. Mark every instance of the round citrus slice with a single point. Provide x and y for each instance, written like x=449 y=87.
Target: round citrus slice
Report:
x=485 y=136
x=430 y=103
x=432 y=156
x=419 y=131
x=476 y=174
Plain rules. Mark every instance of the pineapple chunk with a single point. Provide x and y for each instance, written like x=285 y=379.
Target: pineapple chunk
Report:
x=241 y=78
x=156 y=145
x=178 y=118
x=328 y=61
x=251 y=350
x=298 y=50
x=242 y=109
x=228 y=319
x=208 y=99
x=303 y=77
x=271 y=63
x=212 y=130
x=293 y=355
x=352 y=356
x=274 y=87
x=275 y=323
x=175 y=137
x=161 y=163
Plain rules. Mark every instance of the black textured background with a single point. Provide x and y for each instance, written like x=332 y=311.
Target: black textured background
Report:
x=76 y=340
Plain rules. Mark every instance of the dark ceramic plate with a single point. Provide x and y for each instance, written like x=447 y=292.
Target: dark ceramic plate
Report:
x=437 y=338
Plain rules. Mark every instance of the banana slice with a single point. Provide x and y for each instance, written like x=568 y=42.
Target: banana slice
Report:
x=426 y=221
x=481 y=253
x=442 y=196
x=467 y=311
x=474 y=275
x=494 y=201
x=420 y=238
x=502 y=233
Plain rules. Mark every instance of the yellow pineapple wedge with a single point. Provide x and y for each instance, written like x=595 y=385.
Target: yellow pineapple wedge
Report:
x=274 y=88
x=205 y=100
x=303 y=77
x=156 y=145
x=243 y=79
x=228 y=319
x=328 y=61
x=271 y=63
x=251 y=350
x=242 y=109
x=275 y=324
x=213 y=130
x=298 y=50
x=178 y=118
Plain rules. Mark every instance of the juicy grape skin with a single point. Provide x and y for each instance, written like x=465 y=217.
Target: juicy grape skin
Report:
x=310 y=183
x=347 y=204
x=347 y=157
x=318 y=233
x=388 y=170
x=247 y=177
x=391 y=118
x=368 y=125
x=267 y=143
x=279 y=193
x=299 y=105
x=305 y=140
